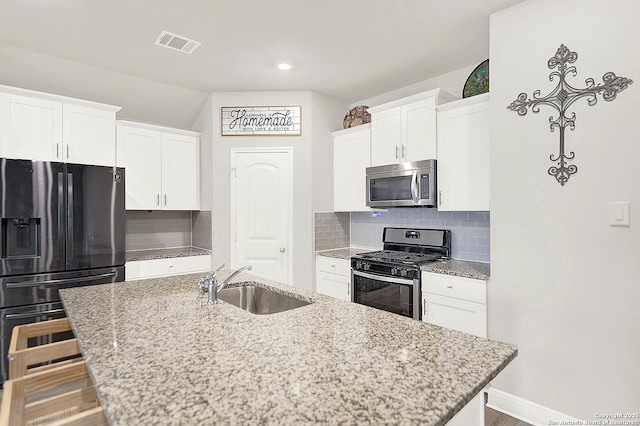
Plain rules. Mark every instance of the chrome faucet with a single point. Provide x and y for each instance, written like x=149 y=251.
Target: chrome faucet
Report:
x=214 y=287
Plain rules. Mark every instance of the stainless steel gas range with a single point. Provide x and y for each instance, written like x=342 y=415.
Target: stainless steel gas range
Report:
x=389 y=279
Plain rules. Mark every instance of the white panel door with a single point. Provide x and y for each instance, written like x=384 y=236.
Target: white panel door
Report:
x=143 y=162
x=89 y=135
x=36 y=129
x=261 y=213
x=5 y=123
x=180 y=172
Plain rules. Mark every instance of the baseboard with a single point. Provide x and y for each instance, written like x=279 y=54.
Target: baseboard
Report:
x=526 y=411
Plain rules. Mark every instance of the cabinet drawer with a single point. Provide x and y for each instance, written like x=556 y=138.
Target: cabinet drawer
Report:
x=333 y=265
x=141 y=269
x=333 y=285
x=457 y=287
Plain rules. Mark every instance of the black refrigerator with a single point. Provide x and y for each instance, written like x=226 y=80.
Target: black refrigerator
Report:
x=62 y=225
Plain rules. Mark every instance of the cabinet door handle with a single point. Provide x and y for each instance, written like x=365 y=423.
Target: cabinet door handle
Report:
x=165 y=199
x=67 y=152
x=348 y=288
x=157 y=200
x=440 y=197
x=403 y=153
x=424 y=308
x=396 y=152
x=57 y=150
x=449 y=286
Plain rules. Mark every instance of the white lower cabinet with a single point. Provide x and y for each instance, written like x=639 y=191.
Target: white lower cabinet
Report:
x=333 y=277
x=471 y=414
x=455 y=302
x=460 y=304
x=141 y=269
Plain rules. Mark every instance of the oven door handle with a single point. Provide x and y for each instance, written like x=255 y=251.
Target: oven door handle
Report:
x=27 y=284
x=405 y=281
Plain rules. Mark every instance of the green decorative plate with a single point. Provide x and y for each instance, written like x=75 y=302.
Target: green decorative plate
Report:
x=478 y=81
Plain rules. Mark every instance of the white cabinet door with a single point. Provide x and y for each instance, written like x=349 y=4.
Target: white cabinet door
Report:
x=89 y=135
x=162 y=169
x=386 y=135
x=351 y=157
x=464 y=155
x=180 y=172
x=35 y=129
x=333 y=277
x=143 y=167
x=418 y=130
x=455 y=302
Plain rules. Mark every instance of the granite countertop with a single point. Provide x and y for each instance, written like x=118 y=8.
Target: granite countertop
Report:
x=157 y=353
x=459 y=268
x=165 y=253
x=342 y=253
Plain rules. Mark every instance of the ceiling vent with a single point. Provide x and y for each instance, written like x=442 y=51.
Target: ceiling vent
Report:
x=177 y=42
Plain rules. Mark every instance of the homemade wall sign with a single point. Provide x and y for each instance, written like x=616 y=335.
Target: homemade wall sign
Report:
x=261 y=121
x=561 y=98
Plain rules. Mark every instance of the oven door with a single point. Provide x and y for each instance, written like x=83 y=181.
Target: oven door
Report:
x=392 y=294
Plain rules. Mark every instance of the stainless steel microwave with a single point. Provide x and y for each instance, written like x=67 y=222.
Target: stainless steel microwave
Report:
x=411 y=184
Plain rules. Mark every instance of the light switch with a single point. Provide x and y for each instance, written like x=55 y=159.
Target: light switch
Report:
x=618 y=214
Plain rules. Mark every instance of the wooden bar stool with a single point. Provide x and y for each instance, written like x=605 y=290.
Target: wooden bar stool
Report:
x=48 y=384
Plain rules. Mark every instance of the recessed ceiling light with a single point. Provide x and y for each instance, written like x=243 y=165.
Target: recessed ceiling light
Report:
x=284 y=66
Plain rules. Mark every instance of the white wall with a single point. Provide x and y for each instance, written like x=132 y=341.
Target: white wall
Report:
x=141 y=99
x=452 y=82
x=204 y=125
x=317 y=112
x=564 y=284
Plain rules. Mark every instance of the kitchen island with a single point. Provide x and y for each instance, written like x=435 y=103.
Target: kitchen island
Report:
x=157 y=355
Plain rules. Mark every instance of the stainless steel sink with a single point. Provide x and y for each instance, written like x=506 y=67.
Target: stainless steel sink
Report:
x=260 y=301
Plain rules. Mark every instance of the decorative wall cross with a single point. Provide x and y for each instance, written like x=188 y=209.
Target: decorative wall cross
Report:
x=561 y=98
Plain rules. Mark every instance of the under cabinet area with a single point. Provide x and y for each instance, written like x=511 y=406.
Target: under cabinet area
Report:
x=45 y=127
x=162 y=166
x=141 y=269
x=455 y=302
x=333 y=277
x=351 y=157
x=464 y=155
x=405 y=129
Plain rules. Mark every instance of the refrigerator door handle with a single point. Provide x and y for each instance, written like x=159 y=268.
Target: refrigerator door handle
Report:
x=27 y=284
x=69 y=216
x=34 y=314
x=61 y=216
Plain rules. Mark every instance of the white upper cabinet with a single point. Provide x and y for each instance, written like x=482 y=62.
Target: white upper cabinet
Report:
x=45 y=127
x=351 y=157
x=89 y=135
x=162 y=167
x=180 y=172
x=405 y=129
x=464 y=155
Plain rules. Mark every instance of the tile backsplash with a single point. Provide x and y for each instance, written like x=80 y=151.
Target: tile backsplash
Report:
x=331 y=230
x=469 y=230
x=167 y=229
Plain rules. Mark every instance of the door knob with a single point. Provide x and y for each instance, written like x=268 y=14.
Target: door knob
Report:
x=282 y=249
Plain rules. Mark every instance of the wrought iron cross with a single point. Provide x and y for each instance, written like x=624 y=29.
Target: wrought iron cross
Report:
x=561 y=98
